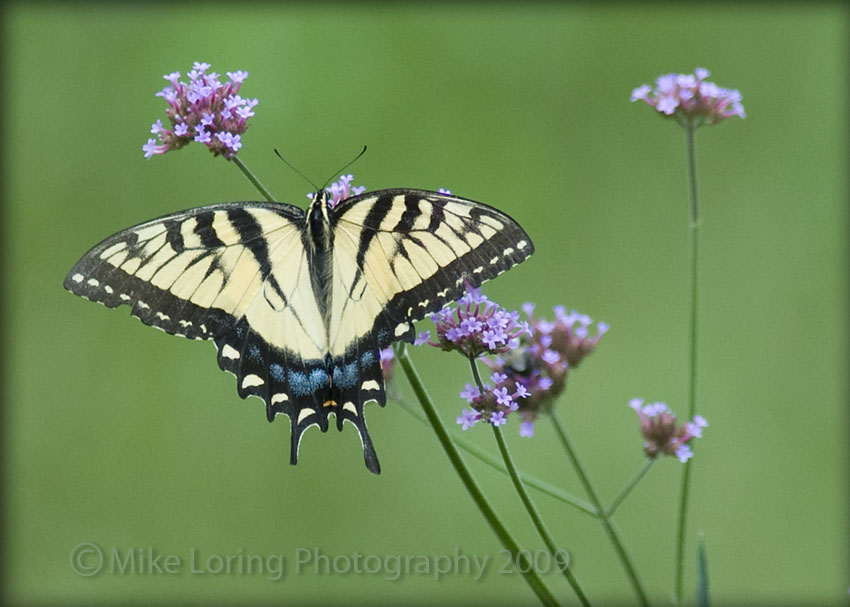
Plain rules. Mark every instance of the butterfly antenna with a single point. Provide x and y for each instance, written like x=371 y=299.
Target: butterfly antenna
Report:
x=303 y=176
x=348 y=164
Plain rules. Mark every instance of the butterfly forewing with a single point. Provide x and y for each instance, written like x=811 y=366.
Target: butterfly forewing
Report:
x=413 y=252
x=187 y=267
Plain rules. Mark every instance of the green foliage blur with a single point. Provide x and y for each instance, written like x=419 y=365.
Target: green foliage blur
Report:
x=133 y=440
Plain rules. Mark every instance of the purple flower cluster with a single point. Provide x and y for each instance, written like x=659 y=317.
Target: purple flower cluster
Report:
x=663 y=436
x=568 y=336
x=340 y=190
x=204 y=110
x=492 y=404
x=477 y=326
x=532 y=360
x=690 y=97
x=542 y=363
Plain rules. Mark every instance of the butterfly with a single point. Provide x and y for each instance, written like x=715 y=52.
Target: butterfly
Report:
x=300 y=303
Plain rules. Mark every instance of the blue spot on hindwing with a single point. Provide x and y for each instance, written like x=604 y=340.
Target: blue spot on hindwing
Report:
x=318 y=379
x=253 y=353
x=298 y=383
x=367 y=359
x=276 y=372
x=346 y=376
x=303 y=384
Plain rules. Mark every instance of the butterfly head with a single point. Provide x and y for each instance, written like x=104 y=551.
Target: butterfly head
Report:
x=318 y=219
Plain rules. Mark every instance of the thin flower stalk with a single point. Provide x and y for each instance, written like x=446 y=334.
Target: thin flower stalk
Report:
x=525 y=568
x=679 y=581
x=691 y=101
x=607 y=523
x=556 y=552
x=631 y=484
x=252 y=178
x=497 y=464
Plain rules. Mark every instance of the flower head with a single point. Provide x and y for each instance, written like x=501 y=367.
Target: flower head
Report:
x=532 y=357
x=539 y=367
x=340 y=190
x=204 y=110
x=662 y=434
x=494 y=403
x=477 y=326
x=690 y=97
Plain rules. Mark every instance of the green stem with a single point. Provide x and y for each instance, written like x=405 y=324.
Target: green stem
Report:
x=525 y=568
x=252 y=178
x=560 y=556
x=528 y=479
x=647 y=464
x=690 y=131
x=607 y=523
x=557 y=554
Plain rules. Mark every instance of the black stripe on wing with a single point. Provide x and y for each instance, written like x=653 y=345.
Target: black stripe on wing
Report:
x=495 y=243
x=110 y=272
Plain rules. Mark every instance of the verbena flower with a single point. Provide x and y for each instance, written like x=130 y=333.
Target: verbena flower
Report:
x=468 y=418
x=387 y=359
x=541 y=365
x=476 y=327
x=388 y=365
x=690 y=97
x=494 y=403
x=204 y=110
x=340 y=190
x=662 y=434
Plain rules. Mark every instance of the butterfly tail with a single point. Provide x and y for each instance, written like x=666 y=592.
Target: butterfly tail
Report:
x=358 y=379
x=369 y=455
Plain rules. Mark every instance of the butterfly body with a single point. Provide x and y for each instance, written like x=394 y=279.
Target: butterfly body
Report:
x=299 y=304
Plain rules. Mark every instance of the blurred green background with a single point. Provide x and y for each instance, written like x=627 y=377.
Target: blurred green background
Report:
x=125 y=437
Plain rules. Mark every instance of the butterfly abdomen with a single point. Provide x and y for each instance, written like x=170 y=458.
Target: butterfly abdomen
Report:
x=319 y=243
